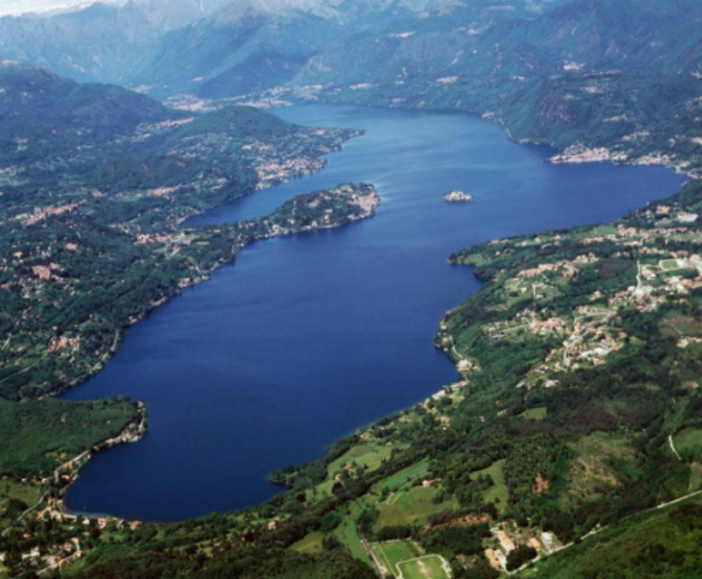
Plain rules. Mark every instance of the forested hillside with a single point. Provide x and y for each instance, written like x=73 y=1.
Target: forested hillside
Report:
x=96 y=183
x=598 y=79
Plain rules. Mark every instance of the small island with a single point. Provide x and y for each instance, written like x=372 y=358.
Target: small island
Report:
x=458 y=197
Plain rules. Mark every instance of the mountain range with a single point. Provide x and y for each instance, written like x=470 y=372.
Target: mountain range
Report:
x=151 y=40
x=218 y=48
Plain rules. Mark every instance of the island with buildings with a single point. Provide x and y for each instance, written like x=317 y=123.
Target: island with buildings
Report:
x=458 y=197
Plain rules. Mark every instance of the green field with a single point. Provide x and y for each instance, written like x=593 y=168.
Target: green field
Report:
x=689 y=440
x=675 y=419
x=348 y=535
x=10 y=489
x=405 y=560
x=669 y=265
x=370 y=456
x=13 y=490
x=404 y=477
x=390 y=554
x=428 y=567
x=600 y=230
x=677 y=324
x=408 y=507
x=695 y=477
x=311 y=544
x=497 y=493
x=535 y=413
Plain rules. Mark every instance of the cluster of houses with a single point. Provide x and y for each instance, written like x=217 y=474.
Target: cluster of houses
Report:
x=635 y=237
x=56 y=557
x=566 y=268
x=582 y=154
x=273 y=172
x=505 y=540
x=530 y=323
x=46 y=272
x=147 y=130
x=589 y=338
x=59 y=556
x=41 y=213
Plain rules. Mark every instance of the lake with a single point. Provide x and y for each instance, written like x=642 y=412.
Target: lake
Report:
x=306 y=338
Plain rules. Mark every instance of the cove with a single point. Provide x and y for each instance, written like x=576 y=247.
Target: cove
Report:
x=306 y=338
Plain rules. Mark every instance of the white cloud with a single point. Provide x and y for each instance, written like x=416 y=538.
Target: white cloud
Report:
x=20 y=6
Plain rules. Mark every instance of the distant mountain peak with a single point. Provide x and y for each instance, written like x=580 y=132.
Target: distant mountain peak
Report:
x=178 y=13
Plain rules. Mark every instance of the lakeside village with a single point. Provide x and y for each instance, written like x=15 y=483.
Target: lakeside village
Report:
x=664 y=275
x=588 y=334
x=63 y=537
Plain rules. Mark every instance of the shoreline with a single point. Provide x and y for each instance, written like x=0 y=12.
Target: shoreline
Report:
x=282 y=97
x=206 y=275
x=225 y=262
x=69 y=471
x=132 y=434
x=582 y=155
x=367 y=203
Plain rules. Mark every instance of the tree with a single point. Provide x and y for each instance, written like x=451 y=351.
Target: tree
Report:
x=519 y=556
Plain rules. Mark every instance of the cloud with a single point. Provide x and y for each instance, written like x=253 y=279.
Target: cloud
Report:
x=20 y=6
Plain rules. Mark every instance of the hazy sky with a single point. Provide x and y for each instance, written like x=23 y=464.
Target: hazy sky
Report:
x=17 y=6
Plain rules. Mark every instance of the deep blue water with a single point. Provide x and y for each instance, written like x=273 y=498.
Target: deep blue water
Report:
x=307 y=338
